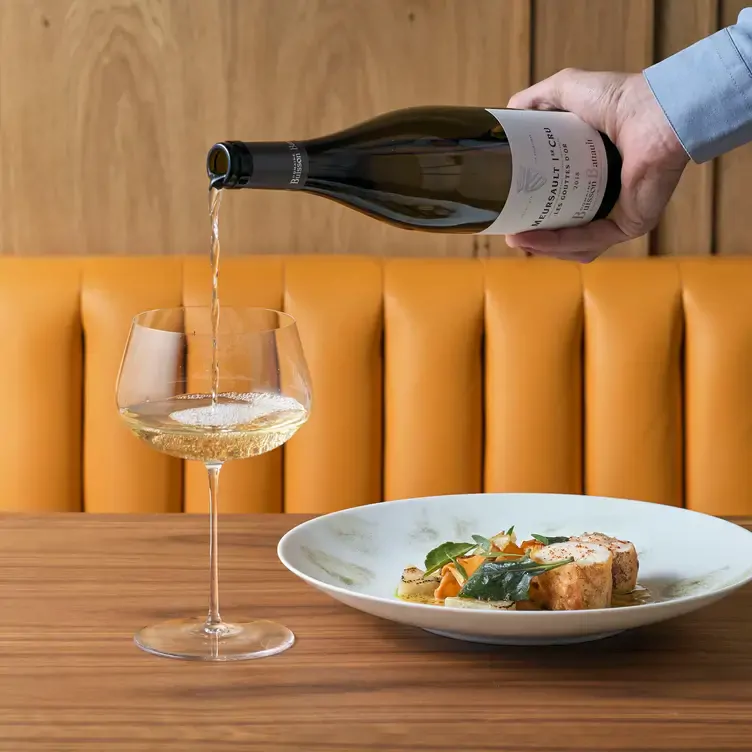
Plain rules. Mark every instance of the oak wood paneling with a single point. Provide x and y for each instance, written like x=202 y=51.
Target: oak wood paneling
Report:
x=686 y=227
x=109 y=107
x=595 y=35
x=733 y=220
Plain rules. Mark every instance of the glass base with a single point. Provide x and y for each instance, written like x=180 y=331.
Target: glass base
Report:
x=188 y=639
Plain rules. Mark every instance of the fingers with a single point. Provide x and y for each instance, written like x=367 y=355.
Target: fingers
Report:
x=581 y=257
x=545 y=94
x=584 y=243
x=588 y=94
x=570 y=89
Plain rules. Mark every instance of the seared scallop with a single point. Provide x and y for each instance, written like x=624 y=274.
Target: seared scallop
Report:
x=414 y=583
x=585 y=583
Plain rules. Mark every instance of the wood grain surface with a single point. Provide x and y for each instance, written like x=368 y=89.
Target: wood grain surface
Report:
x=75 y=587
x=107 y=109
x=733 y=211
x=686 y=227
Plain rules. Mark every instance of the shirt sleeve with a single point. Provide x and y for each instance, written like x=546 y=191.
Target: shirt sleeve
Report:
x=705 y=91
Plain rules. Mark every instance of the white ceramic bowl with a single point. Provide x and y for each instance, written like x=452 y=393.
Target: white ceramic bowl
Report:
x=687 y=559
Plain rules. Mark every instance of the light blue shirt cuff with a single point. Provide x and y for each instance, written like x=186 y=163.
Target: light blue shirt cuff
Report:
x=705 y=91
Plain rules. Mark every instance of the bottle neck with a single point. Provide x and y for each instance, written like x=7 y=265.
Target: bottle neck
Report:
x=275 y=164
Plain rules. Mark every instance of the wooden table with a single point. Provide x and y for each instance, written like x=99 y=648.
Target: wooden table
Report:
x=74 y=589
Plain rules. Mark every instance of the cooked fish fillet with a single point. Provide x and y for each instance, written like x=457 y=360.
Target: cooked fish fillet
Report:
x=626 y=564
x=414 y=582
x=586 y=583
x=481 y=605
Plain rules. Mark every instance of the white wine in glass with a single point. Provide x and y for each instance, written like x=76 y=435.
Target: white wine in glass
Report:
x=170 y=395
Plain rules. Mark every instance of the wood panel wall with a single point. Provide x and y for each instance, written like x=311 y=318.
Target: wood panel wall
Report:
x=107 y=109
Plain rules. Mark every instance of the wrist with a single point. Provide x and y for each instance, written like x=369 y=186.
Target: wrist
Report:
x=645 y=113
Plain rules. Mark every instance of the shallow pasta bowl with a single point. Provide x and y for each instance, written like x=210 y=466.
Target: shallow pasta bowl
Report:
x=687 y=560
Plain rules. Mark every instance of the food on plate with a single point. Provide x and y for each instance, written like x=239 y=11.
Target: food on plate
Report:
x=563 y=573
x=625 y=560
x=586 y=582
x=415 y=583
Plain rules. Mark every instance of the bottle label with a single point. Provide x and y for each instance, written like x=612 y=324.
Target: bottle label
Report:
x=299 y=159
x=559 y=171
x=279 y=165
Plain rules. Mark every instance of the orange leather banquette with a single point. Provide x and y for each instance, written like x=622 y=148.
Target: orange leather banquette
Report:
x=628 y=378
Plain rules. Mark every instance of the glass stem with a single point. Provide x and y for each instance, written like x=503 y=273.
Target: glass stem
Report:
x=213 y=619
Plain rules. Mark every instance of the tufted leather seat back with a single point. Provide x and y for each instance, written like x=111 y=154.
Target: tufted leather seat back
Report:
x=628 y=378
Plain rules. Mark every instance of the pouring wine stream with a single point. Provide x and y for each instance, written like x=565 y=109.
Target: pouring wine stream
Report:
x=214 y=625
x=215 y=198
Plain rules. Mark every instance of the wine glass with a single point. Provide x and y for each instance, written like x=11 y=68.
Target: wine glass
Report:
x=189 y=398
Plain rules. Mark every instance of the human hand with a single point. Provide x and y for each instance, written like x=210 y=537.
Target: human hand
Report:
x=623 y=107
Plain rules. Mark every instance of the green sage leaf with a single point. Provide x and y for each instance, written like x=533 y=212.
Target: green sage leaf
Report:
x=483 y=544
x=506 y=580
x=444 y=554
x=548 y=541
x=460 y=568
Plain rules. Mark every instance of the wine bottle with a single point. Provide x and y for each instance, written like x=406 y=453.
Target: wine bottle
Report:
x=443 y=169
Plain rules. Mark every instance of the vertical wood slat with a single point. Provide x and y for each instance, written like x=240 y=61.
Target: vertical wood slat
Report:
x=609 y=35
x=517 y=69
x=686 y=227
x=733 y=221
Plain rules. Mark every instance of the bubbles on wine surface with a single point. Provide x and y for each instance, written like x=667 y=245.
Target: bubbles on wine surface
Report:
x=236 y=426
x=242 y=410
